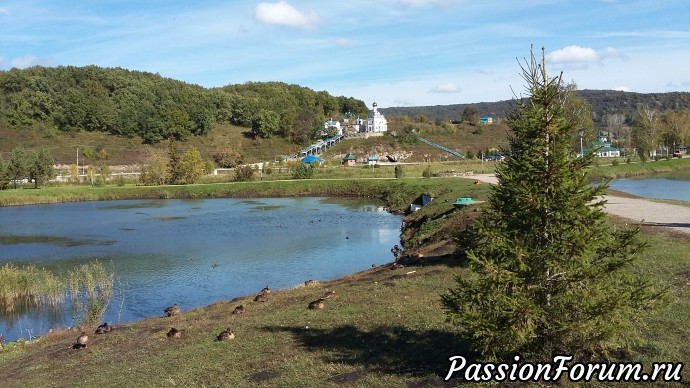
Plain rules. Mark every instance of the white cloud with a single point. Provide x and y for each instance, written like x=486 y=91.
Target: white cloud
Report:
x=622 y=89
x=282 y=13
x=445 y=88
x=579 y=57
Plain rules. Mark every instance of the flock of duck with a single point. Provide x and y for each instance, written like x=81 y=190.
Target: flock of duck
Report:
x=83 y=338
x=225 y=335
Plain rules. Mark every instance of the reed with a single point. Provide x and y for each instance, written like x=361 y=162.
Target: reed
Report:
x=89 y=287
x=28 y=286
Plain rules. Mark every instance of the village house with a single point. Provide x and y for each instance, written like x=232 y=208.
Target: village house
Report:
x=486 y=120
x=333 y=124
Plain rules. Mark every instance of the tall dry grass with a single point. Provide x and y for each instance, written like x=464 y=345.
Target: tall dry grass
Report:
x=28 y=286
x=88 y=287
x=91 y=289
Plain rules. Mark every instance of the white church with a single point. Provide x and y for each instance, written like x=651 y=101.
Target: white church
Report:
x=375 y=122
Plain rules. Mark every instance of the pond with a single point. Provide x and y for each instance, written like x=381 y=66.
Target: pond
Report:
x=192 y=252
x=675 y=186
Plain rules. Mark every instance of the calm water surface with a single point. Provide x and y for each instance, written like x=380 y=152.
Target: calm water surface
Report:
x=674 y=186
x=192 y=252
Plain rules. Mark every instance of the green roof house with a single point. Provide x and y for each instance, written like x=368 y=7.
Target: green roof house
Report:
x=350 y=160
x=603 y=149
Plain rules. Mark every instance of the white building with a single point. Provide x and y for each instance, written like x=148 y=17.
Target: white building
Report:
x=333 y=124
x=376 y=122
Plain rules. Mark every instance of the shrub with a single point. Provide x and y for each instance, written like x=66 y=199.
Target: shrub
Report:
x=427 y=172
x=303 y=171
x=244 y=173
x=399 y=172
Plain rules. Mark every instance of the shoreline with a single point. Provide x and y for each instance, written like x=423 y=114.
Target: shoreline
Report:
x=639 y=210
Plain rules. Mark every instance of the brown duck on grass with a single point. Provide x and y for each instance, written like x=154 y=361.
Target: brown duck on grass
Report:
x=104 y=328
x=329 y=294
x=172 y=310
x=317 y=304
x=265 y=291
x=395 y=266
x=174 y=333
x=261 y=298
x=81 y=341
x=225 y=335
x=238 y=310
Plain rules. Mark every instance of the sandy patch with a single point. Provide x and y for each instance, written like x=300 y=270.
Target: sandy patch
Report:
x=638 y=210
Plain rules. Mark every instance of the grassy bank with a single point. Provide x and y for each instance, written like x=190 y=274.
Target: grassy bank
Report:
x=334 y=181
x=621 y=169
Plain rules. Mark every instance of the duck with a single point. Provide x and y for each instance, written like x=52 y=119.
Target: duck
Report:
x=329 y=294
x=81 y=341
x=174 y=333
x=309 y=283
x=104 y=328
x=395 y=266
x=172 y=310
x=225 y=335
x=261 y=298
x=238 y=310
x=265 y=290
x=317 y=304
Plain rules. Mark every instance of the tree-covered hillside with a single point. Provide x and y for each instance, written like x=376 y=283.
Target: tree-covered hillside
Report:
x=603 y=102
x=132 y=103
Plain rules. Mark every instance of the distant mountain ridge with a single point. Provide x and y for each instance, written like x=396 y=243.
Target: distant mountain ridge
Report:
x=604 y=102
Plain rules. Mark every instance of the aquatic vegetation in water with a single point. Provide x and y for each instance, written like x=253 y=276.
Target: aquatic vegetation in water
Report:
x=89 y=288
x=169 y=218
x=53 y=240
x=267 y=207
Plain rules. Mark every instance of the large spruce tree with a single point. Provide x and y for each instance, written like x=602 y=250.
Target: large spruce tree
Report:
x=549 y=274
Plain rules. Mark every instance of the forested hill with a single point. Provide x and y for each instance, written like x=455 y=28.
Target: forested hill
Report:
x=133 y=103
x=604 y=102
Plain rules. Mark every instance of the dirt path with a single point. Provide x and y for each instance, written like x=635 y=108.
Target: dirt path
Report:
x=646 y=212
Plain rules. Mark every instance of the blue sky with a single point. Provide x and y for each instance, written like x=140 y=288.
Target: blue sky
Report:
x=397 y=52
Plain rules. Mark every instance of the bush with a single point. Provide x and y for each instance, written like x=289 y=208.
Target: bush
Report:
x=303 y=171
x=399 y=172
x=614 y=162
x=427 y=172
x=244 y=174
